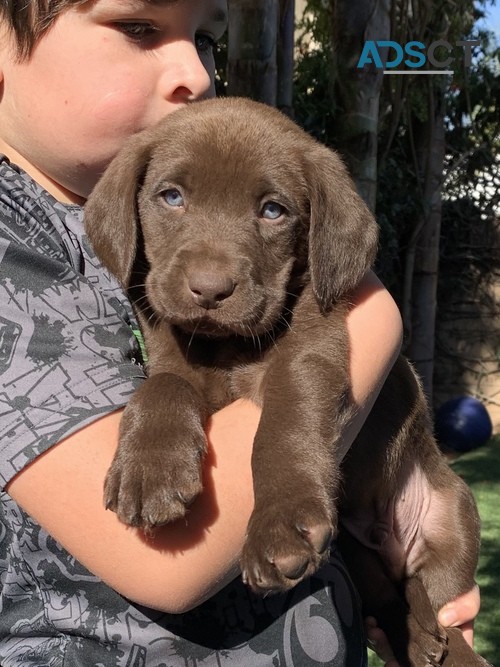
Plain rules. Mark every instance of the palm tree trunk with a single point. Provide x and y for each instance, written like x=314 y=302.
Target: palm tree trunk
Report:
x=285 y=56
x=357 y=91
x=429 y=137
x=252 y=43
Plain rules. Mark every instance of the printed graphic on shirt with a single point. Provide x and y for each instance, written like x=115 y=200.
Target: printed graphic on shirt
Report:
x=66 y=340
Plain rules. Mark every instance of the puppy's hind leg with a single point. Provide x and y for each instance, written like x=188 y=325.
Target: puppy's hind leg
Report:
x=448 y=557
x=402 y=610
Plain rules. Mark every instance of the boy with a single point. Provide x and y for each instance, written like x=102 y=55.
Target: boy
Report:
x=76 y=79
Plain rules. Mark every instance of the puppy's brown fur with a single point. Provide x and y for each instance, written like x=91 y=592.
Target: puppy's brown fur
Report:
x=239 y=238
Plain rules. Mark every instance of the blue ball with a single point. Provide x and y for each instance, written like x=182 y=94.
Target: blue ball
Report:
x=462 y=424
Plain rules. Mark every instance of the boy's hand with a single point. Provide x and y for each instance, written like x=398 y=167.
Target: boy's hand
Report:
x=459 y=613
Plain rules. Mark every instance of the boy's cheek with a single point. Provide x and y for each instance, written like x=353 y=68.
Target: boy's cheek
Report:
x=121 y=104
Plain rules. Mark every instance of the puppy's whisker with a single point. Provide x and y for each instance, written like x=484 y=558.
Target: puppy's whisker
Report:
x=193 y=334
x=270 y=335
x=154 y=322
x=142 y=302
x=285 y=322
x=287 y=310
x=255 y=339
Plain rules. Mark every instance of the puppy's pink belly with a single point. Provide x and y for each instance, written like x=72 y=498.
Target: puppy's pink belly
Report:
x=397 y=527
x=417 y=513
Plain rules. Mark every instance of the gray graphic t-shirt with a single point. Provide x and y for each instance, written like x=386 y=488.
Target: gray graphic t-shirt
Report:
x=68 y=355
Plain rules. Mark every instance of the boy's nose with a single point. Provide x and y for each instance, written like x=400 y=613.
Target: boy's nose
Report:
x=185 y=77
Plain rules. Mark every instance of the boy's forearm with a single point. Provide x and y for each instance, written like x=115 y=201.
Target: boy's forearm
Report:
x=375 y=334
x=62 y=490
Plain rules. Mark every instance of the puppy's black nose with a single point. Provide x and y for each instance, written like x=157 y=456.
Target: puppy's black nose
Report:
x=209 y=288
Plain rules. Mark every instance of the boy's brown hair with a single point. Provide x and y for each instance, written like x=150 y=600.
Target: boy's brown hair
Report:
x=28 y=20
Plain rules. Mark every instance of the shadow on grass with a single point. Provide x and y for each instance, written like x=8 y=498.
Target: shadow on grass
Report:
x=481 y=466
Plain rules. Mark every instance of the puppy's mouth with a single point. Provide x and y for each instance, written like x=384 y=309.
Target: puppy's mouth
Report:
x=221 y=322
x=214 y=324
x=208 y=326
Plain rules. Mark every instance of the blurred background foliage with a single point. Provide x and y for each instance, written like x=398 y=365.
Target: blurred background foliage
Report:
x=423 y=151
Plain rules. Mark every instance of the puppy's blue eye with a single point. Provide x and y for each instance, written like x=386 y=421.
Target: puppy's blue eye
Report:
x=173 y=197
x=272 y=210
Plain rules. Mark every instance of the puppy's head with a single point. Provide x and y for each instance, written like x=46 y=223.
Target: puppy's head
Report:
x=230 y=202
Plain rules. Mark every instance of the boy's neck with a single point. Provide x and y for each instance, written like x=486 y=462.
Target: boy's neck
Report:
x=55 y=189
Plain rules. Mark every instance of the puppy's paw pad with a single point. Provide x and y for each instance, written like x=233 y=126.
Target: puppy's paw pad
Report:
x=319 y=534
x=285 y=544
x=291 y=566
x=259 y=582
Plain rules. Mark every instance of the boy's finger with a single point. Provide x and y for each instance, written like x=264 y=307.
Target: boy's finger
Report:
x=468 y=632
x=461 y=612
x=378 y=642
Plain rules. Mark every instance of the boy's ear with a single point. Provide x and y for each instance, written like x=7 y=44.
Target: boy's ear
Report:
x=343 y=233
x=111 y=217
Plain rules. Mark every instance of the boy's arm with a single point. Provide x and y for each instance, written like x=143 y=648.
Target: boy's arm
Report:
x=187 y=561
x=191 y=560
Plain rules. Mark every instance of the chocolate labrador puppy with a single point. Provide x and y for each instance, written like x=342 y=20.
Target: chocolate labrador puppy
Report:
x=239 y=238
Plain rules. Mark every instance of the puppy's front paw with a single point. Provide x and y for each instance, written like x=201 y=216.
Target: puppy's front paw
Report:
x=285 y=544
x=148 y=486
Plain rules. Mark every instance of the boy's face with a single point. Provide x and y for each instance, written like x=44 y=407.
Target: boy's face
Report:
x=103 y=72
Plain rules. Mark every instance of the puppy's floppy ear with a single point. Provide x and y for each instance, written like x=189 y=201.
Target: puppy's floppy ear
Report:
x=343 y=233
x=111 y=217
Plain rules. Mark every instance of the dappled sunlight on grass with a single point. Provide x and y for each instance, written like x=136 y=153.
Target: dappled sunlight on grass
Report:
x=481 y=470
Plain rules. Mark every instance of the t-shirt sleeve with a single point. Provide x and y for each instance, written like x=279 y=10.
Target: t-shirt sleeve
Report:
x=67 y=351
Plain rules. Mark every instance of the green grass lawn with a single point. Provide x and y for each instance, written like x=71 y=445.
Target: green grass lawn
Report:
x=481 y=470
